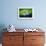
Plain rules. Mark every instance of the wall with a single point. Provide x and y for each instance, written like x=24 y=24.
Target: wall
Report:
x=9 y=13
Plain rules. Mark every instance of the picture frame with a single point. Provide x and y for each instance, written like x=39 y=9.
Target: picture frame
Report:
x=25 y=13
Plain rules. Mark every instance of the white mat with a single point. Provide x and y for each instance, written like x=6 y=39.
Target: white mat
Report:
x=0 y=44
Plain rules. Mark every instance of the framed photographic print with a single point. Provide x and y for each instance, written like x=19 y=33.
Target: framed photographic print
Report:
x=25 y=13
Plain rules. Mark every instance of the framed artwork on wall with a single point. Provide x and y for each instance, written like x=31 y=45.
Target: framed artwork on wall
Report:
x=25 y=13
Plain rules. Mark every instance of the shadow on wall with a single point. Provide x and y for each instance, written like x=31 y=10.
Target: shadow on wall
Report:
x=2 y=26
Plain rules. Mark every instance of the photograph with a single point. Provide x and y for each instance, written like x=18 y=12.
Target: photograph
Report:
x=25 y=13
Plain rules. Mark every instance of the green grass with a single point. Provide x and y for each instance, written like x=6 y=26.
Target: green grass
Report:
x=25 y=11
